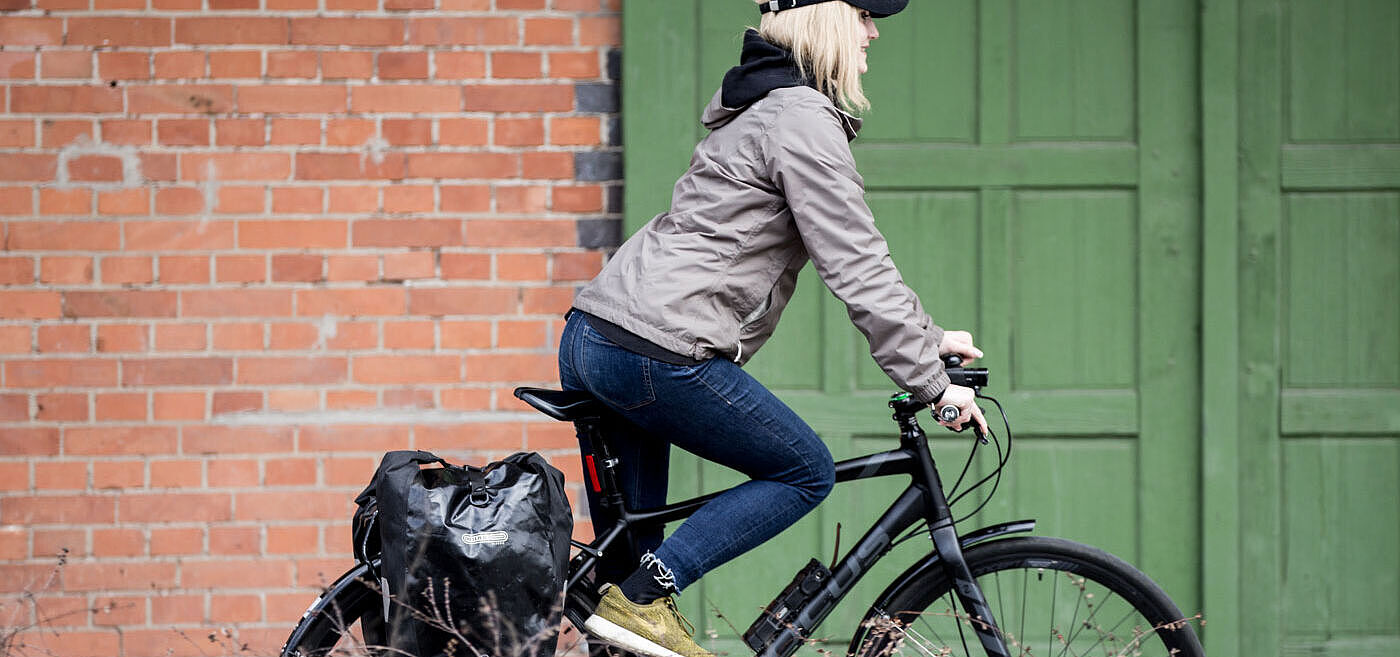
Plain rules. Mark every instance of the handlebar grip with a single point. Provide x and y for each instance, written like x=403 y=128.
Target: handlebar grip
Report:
x=948 y=413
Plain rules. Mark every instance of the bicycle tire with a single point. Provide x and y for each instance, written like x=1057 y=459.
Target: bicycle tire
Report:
x=1060 y=587
x=347 y=621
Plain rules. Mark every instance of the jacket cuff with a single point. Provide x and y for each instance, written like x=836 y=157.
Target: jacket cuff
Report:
x=932 y=392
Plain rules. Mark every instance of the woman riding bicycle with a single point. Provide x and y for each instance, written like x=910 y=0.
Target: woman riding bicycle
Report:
x=660 y=335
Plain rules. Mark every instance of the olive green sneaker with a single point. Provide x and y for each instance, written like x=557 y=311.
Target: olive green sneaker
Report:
x=657 y=629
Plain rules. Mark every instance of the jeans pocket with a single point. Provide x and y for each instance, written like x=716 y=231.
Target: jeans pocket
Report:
x=620 y=378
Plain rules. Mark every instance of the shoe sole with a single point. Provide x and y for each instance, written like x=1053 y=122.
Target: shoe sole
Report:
x=613 y=633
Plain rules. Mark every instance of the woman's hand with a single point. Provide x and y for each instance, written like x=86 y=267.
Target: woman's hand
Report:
x=965 y=401
x=960 y=343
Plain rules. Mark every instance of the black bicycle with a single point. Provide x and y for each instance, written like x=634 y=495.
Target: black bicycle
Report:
x=981 y=592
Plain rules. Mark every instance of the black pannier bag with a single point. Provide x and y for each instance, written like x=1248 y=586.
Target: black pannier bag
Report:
x=481 y=550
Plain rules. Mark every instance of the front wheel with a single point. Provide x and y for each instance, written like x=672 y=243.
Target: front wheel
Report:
x=1051 y=597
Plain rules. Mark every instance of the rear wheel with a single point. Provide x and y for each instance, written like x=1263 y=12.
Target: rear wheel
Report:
x=1050 y=597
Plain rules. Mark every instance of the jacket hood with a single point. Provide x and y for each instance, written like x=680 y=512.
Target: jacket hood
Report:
x=762 y=68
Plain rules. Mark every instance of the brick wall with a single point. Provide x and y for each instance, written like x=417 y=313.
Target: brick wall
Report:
x=249 y=245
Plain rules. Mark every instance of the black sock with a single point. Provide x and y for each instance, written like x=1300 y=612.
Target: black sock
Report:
x=651 y=582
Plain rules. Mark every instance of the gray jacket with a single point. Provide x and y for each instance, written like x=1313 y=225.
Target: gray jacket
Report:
x=772 y=186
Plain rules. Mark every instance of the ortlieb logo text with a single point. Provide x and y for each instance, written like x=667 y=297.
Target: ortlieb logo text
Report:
x=485 y=538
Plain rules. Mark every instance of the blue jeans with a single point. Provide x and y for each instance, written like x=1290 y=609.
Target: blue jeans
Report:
x=716 y=411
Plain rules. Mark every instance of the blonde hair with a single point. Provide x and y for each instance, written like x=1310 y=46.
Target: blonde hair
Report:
x=824 y=41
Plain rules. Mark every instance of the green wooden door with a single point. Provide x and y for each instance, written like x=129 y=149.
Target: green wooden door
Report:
x=1035 y=166
x=1315 y=454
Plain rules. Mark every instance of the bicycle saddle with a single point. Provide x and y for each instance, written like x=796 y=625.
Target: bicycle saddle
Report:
x=565 y=405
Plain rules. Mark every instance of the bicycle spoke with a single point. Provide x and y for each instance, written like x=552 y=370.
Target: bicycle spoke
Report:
x=1074 y=620
x=1054 y=597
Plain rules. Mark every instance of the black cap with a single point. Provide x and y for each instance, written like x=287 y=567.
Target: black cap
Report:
x=877 y=8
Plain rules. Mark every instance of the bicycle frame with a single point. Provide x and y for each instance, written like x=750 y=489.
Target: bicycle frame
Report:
x=923 y=500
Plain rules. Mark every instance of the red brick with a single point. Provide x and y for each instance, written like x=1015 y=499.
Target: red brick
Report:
x=574 y=64
x=464 y=132
x=233 y=402
x=354 y=336
x=519 y=132
x=351 y=399
x=180 y=337
x=274 y=371
x=17 y=133
x=459 y=65
x=179 y=99
x=14 y=408
x=183 y=132
x=237 y=473
x=462 y=301
x=406 y=98
x=548 y=166
x=577 y=199
x=264 y=506
x=177 y=406
x=465 y=198
x=291 y=472
x=104 y=441
x=176 y=540
x=240 y=200
x=15 y=340
x=29 y=442
x=14 y=541
x=184 y=269
x=121 y=406
x=61 y=407
x=18 y=65
x=177 y=609
x=549 y=32
x=177 y=371
x=466 y=334
x=220 y=5
x=408 y=335
x=179 y=64
x=65 y=269
x=239 y=132
x=576 y=266
x=296 y=267
x=546 y=300
x=401 y=199
x=352 y=166
x=293 y=400
x=295 y=337
x=408 y=232
x=238 y=337
x=292 y=99
x=519 y=98
x=65 y=201
x=463 y=165
x=341 y=439
x=59 y=64
x=16 y=200
x=121 y=337
x=474 y=266
x=134 y=201
x=180 y=235
x=352 y=268
x=465 y=5
x=244 y=304
x=347 y=65
x=55 y=134
x=521 y=232
x=403 y=65
x=522 y=266
x=244 y=31
x=120 y=474
x=512 y=367
x=464 y=31
x=124 y=31
x=16 y=271
x=56 y=373
x=123 y=65
x=181 y=473
x=305 y=132
x=293 y=539
x=65 y=338
x=408 y=132
x=403 y=5
x=160 y=167
x=291 y=64
x=348 y=132
x=235 y=166
x=575 y=131
x=303 y=234
x=470 y=436
x=95 y=168
x=180 y=201
x=81 y=643
x=235 y=608
x=230 y=574
x=126 y=270
x=61 y=475
x=118 y=610
x=26 y=31
x=175 y=507
x=518 y=65
x=59 y=509
x=100 y=576
x=466 y=399
x=348 y=199
x=119 y=303
x=27 y=166
x=347 y=31
x=599 y=31
x=350 y=302
x=240 y=268
x=521 y=199
x=406 y=266
x=296 y=200
x=407 y=369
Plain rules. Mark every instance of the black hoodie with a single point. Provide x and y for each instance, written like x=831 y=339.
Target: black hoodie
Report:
x=762 y=68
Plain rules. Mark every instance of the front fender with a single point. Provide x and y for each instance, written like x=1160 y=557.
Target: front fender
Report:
x=931 y=561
